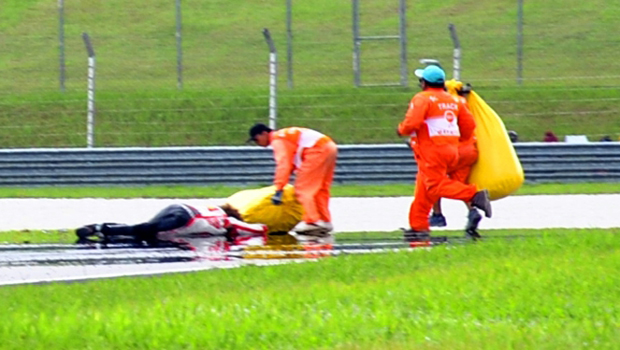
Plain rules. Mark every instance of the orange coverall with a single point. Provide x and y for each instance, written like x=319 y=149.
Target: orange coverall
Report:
x=436 y=121
x=468 y=155
x=313 y=156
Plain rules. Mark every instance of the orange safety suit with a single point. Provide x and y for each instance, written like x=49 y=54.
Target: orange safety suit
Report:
x=436 y=121
x=468 y=155
x=313 y=156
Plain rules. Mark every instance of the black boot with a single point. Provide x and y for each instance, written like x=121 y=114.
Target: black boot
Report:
x=411 y=235
x=473 y=234
x=89 y=234
x=473 y=219
x=482 y=201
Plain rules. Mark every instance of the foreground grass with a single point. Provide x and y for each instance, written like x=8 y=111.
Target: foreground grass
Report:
x=388 y=190
x=555 y=291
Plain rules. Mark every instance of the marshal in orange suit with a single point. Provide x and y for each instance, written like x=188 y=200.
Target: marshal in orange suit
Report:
x=468 y=156
x=437 y=120
x=312 y=155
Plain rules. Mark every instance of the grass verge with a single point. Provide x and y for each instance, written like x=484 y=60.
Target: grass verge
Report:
x=388 y=190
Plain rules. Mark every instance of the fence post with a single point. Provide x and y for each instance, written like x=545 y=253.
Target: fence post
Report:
x=289 y=43
x=273 y=79
x=456 y=75
x=61 y=42
x=404 y=70
x=90 y=120
x=356 y=43
x=519 y=42
x=179 y=45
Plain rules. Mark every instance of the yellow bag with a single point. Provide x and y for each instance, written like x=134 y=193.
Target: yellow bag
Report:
x=498 y=168
x=255 y=207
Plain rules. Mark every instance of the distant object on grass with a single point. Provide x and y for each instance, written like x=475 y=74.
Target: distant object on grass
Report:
x=550 y=137
x=514 y=137
x=576 y=139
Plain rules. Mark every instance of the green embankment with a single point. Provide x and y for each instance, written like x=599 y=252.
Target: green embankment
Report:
x=568 y=64
x=224 y=191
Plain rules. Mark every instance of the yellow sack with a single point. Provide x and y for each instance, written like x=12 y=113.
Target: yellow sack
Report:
x=498 y=168
x=255 y=207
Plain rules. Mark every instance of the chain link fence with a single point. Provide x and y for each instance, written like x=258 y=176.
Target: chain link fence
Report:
x=172 y=73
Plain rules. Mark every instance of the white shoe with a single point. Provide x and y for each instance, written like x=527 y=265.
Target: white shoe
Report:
x=312 y=233
x=304 y=227
x=326 y=225
x=324 y=238
x=317 y=226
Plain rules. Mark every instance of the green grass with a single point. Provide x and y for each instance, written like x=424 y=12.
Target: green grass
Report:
x=38 y=236
x=224 y=191
x=155 y=118
x=555 y=291
x=569 y=60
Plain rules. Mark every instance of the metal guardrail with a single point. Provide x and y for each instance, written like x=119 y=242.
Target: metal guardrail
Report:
x=357 y=164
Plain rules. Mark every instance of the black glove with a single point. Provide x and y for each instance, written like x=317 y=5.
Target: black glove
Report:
x=465 y=89
x=276 y=199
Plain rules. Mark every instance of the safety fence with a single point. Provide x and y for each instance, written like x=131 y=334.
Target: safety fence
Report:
x=163 y=73
x=170 y=44
x=357 y=164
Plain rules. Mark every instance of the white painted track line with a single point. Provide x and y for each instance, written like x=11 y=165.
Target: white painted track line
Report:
x=75 y=273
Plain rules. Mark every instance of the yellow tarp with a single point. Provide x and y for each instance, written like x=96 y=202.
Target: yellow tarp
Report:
x=255 y=207
x=498 y=168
